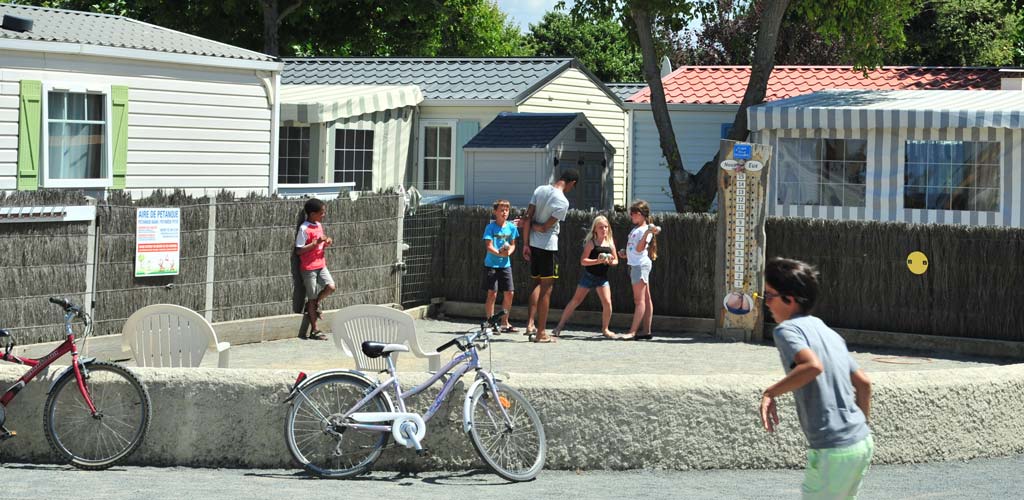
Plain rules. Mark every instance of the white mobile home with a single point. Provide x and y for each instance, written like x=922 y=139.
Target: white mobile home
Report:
x=461 y=96
x=942 y=156
x=703 y=101
x=99 y=102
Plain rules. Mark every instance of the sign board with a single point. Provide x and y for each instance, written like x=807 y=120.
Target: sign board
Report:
x=739 y=277
x=157 y=241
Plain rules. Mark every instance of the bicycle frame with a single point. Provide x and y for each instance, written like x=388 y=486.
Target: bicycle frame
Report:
x=469 y=360
x=40 y=364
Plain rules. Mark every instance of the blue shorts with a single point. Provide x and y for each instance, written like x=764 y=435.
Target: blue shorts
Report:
x=591 y=280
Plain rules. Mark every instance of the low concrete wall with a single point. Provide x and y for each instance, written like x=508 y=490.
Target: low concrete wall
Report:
x=212 y=418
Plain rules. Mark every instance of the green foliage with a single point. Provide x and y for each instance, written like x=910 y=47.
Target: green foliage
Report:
x=870 y=29
x=602 y=45
x=964 y=33
x=418 y=28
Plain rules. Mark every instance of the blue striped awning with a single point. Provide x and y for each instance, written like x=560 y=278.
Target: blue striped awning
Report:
x=871 y=109
x=327 y=103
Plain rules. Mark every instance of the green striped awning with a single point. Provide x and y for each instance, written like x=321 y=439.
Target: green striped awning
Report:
x=327 y=103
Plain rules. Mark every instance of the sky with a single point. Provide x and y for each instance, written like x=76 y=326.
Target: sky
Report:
x=524 y=12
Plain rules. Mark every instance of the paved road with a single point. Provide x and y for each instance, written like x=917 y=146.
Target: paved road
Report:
x=988 y=478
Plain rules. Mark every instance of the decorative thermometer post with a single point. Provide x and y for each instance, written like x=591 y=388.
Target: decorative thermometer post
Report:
x=739 y=273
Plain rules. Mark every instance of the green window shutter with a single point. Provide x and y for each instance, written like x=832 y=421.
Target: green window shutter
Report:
x=30 y=125
x=464 y=131
x=119 y=133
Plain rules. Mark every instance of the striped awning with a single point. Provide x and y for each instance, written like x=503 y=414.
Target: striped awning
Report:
x=915 y=109
x=327 y=103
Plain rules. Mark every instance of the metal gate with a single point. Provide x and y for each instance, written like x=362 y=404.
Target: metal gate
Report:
x=424 y=233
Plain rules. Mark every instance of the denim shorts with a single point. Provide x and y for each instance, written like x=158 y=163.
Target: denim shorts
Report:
x=591 y=280
x=640 y=273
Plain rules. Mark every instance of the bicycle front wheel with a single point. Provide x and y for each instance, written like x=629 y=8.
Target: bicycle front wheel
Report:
x=514 y=448
x=101 y=440
x=317 y=436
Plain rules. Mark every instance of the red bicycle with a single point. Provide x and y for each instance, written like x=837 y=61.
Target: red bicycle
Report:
x=96 y=413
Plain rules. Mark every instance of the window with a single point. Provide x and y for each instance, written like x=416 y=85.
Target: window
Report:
x=353 y=158
x=828 y=172
x=76 y=143
x=951 y=175
x=293 y=159
x=438 y=148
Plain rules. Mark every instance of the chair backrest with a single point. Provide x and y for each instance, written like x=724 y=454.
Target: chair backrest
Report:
x=354 y=325
x=168 y=335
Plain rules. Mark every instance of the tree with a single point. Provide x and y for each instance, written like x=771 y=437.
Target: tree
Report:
x=473 y=28
x=963 y=33
x=870 y=28
x=602 y=45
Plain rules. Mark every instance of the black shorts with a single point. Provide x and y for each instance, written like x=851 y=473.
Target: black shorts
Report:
x=542 y=263
x=498 y=278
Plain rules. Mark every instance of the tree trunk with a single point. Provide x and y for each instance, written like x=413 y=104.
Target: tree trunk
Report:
x=705 y=183
x=272 y=22
x=680 y=181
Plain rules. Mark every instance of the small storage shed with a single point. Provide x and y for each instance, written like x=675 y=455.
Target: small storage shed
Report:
x=918 y=156
x=517 y=152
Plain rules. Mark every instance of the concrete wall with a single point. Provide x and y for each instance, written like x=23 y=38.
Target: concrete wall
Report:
x=210 y=417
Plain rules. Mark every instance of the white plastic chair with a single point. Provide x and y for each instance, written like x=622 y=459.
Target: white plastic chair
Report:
x=354 y=325
x=168 y=335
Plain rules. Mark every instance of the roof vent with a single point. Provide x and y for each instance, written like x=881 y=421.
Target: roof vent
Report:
x=17 y=23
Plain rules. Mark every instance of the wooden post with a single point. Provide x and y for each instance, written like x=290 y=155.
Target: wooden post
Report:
x=739 y=273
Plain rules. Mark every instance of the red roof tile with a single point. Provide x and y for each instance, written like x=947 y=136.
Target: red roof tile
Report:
x=726 y=84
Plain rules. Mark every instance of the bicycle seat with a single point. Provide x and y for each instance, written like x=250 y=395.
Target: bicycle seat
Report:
x=378 y=349
x=4 y=333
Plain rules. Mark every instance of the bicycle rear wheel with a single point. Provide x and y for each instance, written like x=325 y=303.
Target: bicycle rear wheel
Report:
x=514 y=452
x=99 y=441
x=319 y=440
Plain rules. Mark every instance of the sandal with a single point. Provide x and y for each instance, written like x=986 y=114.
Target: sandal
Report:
x=610 y=335
x=530 y=331
x=643 y=337
x=557 y=332
x=545 y=340
x=508 y=329
x=316 y=335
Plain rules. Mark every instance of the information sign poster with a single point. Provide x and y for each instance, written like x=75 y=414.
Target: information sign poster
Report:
x=157 y=241
x=742 y=182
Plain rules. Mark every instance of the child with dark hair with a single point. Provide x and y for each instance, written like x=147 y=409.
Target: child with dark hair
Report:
x=832 y=393
x=310 y=243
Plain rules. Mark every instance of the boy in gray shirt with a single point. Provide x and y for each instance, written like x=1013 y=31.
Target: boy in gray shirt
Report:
x=832 y=393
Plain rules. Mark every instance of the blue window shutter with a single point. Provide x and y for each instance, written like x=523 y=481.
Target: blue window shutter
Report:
x=465 y=131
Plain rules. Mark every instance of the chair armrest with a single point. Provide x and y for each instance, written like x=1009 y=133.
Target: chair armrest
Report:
x=433 y=361
x=223 y=354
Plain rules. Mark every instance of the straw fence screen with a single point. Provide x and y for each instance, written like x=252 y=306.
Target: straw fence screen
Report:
x=248 y=241
x=972 y=287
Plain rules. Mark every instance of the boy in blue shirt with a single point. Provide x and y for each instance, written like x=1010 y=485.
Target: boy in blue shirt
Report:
x=832 y=393
x=500 y=241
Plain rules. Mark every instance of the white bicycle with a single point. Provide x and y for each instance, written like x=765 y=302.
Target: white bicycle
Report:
x=340 y=420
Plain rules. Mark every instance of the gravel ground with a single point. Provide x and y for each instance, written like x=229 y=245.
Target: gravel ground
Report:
x=586 y=352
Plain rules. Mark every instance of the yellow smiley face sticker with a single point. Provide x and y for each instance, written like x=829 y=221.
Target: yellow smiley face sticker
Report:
x=917 y=262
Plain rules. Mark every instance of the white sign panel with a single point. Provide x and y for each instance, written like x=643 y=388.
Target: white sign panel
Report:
x=157 y=241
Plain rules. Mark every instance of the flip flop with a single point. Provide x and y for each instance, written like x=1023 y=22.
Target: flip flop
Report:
x=530 y=331
x=557 y=332
x=508 y=329
x=545 y=340
x=610 y=335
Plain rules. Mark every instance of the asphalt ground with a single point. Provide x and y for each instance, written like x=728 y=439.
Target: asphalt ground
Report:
x=585 y=351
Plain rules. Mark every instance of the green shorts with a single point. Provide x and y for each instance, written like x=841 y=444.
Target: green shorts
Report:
x=837 y=472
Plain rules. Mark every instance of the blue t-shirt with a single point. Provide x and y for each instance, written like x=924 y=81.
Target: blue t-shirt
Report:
x=501 y=236
x=827 y=406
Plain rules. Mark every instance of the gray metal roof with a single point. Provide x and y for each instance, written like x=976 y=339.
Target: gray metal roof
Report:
x=69 y=26
x=625 y=90
x=508 y=79
x=522 y=130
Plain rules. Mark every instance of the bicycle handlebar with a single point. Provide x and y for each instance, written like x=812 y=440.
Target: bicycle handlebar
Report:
x=69 y=307
x=65 y=303
x=493 y=320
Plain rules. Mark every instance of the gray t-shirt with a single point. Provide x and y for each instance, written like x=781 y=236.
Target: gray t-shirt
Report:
x=827 y=406
x=548 y=202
